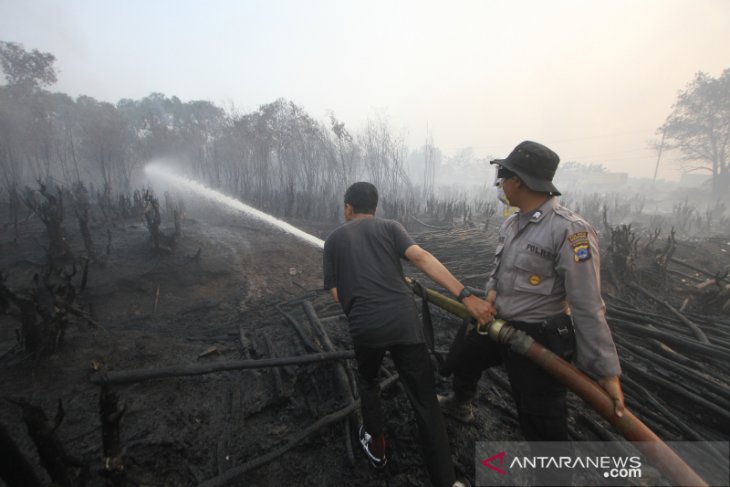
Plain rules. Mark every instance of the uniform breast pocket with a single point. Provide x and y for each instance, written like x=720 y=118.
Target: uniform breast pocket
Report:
x=534 y=274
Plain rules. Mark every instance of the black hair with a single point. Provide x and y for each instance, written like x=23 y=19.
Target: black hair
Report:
x=363 y=197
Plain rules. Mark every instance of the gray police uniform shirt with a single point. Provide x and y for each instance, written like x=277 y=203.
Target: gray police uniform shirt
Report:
x=546 y=261
x=362 y=259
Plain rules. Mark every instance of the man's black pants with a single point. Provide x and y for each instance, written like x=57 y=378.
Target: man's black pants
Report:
x=413 y=364
x=540 y=399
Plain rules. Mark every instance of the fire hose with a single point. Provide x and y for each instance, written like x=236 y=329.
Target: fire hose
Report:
x=656 y=451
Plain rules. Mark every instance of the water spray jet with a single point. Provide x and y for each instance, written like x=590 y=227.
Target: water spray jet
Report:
x=158 y=171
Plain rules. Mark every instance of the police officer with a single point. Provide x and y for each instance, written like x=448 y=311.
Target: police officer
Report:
x=546 y=282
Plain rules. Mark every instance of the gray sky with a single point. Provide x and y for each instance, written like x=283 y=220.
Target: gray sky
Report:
x=591 y=79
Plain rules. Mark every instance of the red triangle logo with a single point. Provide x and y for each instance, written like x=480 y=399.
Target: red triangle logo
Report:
x=488 y=462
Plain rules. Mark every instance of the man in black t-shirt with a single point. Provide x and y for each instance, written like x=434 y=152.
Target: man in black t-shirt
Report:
x=362 y=270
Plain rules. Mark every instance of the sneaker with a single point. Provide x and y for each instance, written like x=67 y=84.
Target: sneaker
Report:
x=460 y=410
x=365 y=441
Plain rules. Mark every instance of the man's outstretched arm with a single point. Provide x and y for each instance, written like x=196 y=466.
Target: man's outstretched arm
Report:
x=479 y=309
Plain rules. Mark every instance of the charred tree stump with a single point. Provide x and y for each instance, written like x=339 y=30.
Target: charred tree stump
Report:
x=225 y=406
x=43 y=314
x=63 y=469
x=15 y=469
x=245 y=343
x=111 y=417
x=278 y=383
x=621 y=252
x=50 y=211
x=665 y=256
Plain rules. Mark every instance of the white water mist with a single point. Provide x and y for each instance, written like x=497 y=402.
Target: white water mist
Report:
x=159 y=171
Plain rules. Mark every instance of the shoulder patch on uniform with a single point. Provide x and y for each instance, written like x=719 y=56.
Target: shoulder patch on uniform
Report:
x=580 y=245
x=566 y=213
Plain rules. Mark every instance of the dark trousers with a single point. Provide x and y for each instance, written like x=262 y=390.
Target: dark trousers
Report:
x=540 y=399
x=413 y=364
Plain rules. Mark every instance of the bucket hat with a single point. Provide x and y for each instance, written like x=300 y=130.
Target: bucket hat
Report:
x=535 y=164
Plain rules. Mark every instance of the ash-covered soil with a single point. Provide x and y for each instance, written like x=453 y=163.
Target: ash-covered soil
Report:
x=161 y=310
x=222 y=295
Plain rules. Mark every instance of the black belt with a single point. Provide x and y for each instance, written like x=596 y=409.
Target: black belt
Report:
x=556 y=333
x=530 y=328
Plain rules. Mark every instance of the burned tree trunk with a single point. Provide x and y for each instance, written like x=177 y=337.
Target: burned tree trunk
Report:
x=111 y=417
x=81 y=208
x=63 y=469
x=15 y=469
x=13 y=209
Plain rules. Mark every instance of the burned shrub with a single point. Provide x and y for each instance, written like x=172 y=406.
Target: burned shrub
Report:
x=622 y=250
x=82 y=209
x=49 y=208
x=683 y=213
x=162 y=242
x=44 y=312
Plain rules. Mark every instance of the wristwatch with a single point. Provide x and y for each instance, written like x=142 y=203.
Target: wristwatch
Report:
x=465 y=293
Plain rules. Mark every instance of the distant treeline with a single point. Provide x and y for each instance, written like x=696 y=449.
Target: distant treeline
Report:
x=278 y=157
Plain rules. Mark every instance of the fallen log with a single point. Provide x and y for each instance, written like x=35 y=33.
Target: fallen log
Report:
x=671 y=354
x=690 y=266
x=696 y=330
x=721 y=389
x=683 y=343
x=663 y=412
x=306 y=338
x=719 y=411
x=346 y=388
x=138 y=375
